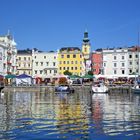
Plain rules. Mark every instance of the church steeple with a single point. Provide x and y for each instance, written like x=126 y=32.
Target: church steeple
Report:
x=86 y=51
x=86 y=39
x=86 y=45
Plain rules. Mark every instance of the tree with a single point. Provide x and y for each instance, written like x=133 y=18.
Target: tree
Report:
x=90 y=72
x=67 y=72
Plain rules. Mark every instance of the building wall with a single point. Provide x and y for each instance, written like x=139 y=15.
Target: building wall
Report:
x=8 y=52
x=72 y=61
x=115 y=62
x=24 y=64
x=133 y=60
x=2 y=65
x=97 y=63
x=44 y=64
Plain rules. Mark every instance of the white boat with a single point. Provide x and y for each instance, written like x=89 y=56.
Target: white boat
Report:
x=99 y=88
x=136 y=89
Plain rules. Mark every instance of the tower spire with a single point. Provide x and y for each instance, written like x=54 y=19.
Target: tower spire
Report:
x=86 y=39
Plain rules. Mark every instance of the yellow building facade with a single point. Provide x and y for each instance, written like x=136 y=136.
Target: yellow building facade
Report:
x=72 y=60
x=24 y=62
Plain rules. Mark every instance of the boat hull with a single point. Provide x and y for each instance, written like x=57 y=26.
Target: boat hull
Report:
x=136 y=90
x=101 y=89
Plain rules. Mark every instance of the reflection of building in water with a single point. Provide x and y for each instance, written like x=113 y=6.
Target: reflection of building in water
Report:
x=112 y=113
x=99 y=101
x=71 y=117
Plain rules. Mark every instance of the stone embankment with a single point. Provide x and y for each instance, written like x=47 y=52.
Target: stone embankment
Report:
x=50 y=88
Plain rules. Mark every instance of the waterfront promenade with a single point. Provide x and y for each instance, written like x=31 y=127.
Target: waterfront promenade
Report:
x=43 y=88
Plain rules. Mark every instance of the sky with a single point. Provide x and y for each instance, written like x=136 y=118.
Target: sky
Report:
x=51 y=24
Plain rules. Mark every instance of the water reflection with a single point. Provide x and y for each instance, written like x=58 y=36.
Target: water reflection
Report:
x=46 y=115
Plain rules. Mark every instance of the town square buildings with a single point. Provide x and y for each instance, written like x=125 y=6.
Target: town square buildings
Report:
x=119 y=61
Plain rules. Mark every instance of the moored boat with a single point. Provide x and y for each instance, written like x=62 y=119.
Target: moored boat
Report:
x=64 y=89
x=136 y=89
x=99 y=88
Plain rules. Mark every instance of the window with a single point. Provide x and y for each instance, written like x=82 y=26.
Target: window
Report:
x=104 y=64
x=62 y=56
x=47 y=63
x=50 y=71
x=76 y=62
x=55 y=71
x=130 y=71
x=41 y=71
x=53 y=63
x=123 y=71
x=63 y=68
x=36 y=63
x=68 y=56
x=44 y=57
x=115 y=64
x=67 y=62
x=71 y=62
x=71 y=68
x=60 y=62
x=115 y=57
x=115 y=72
x=35 y=57
x=28 y=58
x=130 y=63
x=123 y=64
x=24 y=58
x=60 y=68
x=136 y=56
x=130 y=56
x=74 y=55
x=75 y=68
x=67 y=68
x=41 y=63
x=122 y=57
x=19 y=58
x=35 y=71
x=64 y=62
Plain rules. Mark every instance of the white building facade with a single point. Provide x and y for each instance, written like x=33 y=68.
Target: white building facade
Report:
x=44 y=64
x=134 y=60
x=115 y=62
x=8 y=53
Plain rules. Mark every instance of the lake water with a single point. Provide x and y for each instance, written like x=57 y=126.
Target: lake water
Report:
x=76 y=116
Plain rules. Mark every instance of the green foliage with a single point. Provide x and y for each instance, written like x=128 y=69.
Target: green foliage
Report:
x=90 y=73
x=67 y=72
